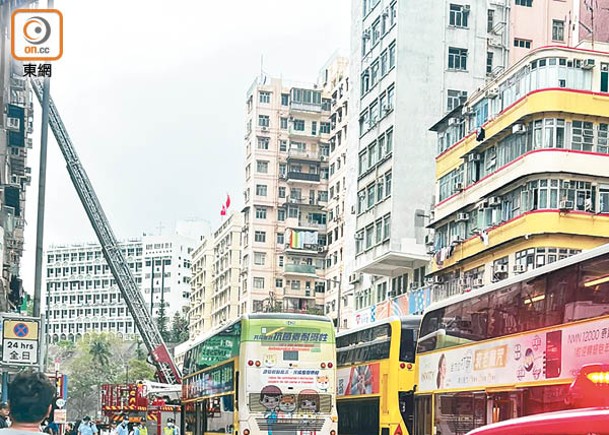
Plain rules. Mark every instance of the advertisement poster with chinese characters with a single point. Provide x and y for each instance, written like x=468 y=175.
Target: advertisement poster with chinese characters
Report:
x=358 y=380
x=549 y=355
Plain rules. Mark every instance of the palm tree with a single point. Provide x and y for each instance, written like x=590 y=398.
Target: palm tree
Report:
x=99 y=349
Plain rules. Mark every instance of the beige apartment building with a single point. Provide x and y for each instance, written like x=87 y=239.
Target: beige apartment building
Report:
x=216 y=268
x=287 y=170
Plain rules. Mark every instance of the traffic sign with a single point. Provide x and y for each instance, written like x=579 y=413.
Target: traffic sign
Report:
x=60 y=403
x=60 y=416
x=20 y=340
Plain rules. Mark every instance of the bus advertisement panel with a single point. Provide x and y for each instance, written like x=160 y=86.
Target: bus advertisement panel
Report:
x=290 y=376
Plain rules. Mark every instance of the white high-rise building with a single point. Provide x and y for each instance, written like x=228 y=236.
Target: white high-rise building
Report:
x=411 y=63
x=82 y=295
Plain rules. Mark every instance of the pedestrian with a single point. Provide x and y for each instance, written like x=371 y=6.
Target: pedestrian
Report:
x=30 y=400
x=140 y=428
x=87 y=427
x=4 y=421
x=123 y=428
x=51 y=428
x=70 y=430
x=171 y=428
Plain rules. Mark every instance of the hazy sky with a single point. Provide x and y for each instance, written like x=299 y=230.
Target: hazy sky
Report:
x=152 y=93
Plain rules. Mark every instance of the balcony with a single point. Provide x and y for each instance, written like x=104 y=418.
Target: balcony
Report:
x=300 y=269
x=305 y=107
x=302 y=176
x=391 y=259
x=296 y=154
x=305 y=201
x=305 y=225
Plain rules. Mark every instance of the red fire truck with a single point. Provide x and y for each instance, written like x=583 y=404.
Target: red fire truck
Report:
x=140 y=402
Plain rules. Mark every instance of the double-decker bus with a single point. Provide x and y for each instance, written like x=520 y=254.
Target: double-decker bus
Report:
x=512 y=349
x=262 y=374
x=376 y=377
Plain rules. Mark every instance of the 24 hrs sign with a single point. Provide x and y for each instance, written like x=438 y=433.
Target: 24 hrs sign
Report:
x=20 y=341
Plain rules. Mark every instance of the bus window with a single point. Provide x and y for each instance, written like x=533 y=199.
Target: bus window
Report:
x=408 y=342
x=358 y=417
x=406 y=401
x=423 y=416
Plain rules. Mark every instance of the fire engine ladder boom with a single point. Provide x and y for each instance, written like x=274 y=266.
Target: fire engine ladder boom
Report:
x=166 y=368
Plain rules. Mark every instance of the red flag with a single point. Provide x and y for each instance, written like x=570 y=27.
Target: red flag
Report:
x=227 y=201
x=223 y=211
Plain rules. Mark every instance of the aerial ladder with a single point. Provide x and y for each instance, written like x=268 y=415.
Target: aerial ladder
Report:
x=167 y=371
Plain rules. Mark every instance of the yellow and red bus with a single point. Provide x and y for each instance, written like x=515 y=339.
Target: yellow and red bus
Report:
x=376 y=377
x=262 y=374
x=511 y=349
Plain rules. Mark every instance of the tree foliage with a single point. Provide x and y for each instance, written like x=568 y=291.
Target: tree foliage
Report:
x=179 y=333
x=162 y=323
x=99 y=358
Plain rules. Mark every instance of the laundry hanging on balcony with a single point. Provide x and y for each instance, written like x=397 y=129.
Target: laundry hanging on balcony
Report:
x=303 y=239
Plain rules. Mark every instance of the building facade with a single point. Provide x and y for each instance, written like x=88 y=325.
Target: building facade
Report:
x=524 y=181
x=16 y=127
x=334 y=79
x=404 y=77
x=80 y=286
x=285 y=232
x=201 y=282
x=82 y=295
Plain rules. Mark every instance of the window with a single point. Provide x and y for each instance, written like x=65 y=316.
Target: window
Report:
x=263 y=120
x=453 y=99
x=522 y=43
x=490 y=20
x=281 y=214
x=314 y=128
x=265 y=97
x=582 y=138
x=324 y=128
x=263 y=143
x=527 y=3
x=489 y=62
x=260 y=213
x=283 y=123
x=261 y=189
x=457 y=58
x=262 y=166
x=280 y=238
x=260 y=236
x=283 y=145
x=392 y=55
x=558 y=30
x=458 y=15
x=299 y=125
x=282 y=192
x=278 y=282
x=259 y=258
x=258 y=283
x=285 y=99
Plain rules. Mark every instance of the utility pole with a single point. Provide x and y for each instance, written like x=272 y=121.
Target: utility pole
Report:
x=42 y=175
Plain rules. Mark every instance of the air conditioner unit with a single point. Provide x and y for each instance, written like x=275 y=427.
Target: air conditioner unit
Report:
x=494 y=201
x=359 y=236
x=387 y=108
x=353 y=210
x=473 y=157
x=467 y=111
x=292 y=200
x=588 y=64
x=353 y=278
x=495 y=42
x=27 y=170
x=462 y=217
x=478 y=282
x=437 y=279
x=429 y=239
x=386 y=12
x=500 y=268
x=565 y=205
x=458 y=187
x=366 y=34
x=519 y=129
x=492 y=93
x=453 y=121
x=29 y=143
x=265 y=129
x=466 y=8
x=321 y=249
x=13 y=124
x=323 y=158
x=519 y=268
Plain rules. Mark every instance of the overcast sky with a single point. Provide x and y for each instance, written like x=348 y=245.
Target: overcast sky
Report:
x=152 y=93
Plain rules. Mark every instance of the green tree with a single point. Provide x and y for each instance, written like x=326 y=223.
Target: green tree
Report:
x=99 y=349
x=139 y=370
x=179 y=328
x=162 y=323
